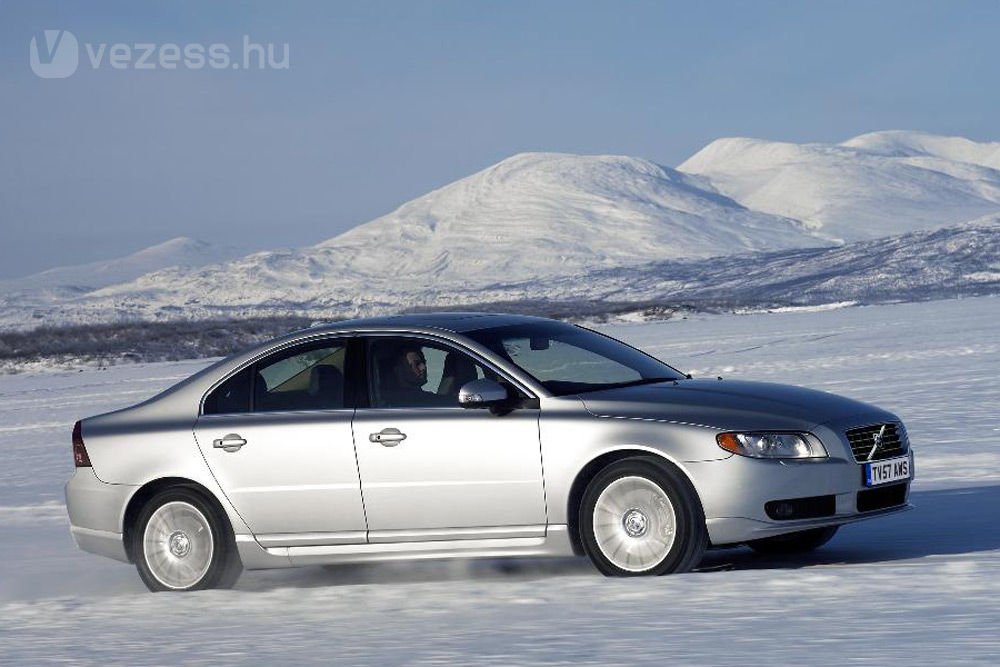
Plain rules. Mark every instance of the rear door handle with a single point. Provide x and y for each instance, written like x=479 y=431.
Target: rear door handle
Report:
x=230 y=442
x=387 y=437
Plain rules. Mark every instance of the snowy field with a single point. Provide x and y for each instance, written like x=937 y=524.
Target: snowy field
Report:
x=921 y=588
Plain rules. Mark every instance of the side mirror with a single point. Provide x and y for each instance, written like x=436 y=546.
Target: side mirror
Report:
x=483 y=393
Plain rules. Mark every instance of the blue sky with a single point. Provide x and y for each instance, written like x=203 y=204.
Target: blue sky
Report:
x=382 y=102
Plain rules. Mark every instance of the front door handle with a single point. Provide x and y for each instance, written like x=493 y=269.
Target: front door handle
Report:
x=230 y=442
x=387 y=437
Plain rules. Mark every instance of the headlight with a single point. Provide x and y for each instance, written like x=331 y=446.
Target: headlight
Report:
x=772 y=445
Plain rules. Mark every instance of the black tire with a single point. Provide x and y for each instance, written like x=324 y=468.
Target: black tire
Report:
x=690 y=537
x=223 y=561
x=794 y=543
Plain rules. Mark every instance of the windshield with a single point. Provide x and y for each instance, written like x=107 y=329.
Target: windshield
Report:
x=567 y=359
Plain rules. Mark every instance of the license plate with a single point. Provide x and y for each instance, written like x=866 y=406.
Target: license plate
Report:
x=890 y=470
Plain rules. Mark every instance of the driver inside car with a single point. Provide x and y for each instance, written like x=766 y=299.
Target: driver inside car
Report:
x=407 y=376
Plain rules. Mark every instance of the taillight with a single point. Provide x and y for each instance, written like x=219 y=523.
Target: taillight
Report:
x=80 y=457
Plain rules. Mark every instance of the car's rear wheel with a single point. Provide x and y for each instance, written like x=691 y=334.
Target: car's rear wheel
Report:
x=183 y=544
x=794 y=543
x=640 y=517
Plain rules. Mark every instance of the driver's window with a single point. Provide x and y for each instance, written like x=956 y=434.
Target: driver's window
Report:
x=412 y=372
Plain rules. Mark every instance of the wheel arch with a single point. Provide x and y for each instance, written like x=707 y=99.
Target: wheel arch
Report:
x=148 y=490
x=599 y=463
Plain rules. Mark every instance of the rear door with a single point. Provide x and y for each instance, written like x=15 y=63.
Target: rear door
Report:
x=277 y=436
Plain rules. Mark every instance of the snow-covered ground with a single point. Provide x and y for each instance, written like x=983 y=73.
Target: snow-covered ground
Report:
x=919 y=588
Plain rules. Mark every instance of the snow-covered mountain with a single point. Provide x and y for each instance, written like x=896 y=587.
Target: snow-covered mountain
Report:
x=871 y=186
x=960 y=260
x=529 y=216
x=899 y=143
x=543 y=226
x=181 y=251
x=539 y=214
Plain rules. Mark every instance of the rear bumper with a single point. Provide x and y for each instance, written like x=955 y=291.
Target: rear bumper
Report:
x=95 y=512
x=100 y=542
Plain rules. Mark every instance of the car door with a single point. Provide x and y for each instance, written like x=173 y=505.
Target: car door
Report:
x=277 y=436
x=431 y=470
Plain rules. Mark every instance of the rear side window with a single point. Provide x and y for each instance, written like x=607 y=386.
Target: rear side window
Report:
x=301 y=379
x=232 y=396
x=309 y=377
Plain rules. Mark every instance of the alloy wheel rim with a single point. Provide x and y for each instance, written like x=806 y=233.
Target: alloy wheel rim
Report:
x=178 y=545
x=635 y=524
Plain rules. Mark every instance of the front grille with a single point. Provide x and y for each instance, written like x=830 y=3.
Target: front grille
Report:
x=863 y=440
x=801 y=508
x=881 y=498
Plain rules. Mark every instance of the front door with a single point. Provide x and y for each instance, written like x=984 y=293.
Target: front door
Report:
x=432 y=470
x=277 y=436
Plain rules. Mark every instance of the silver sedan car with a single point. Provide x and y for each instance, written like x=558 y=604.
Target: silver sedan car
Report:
x=470 y=435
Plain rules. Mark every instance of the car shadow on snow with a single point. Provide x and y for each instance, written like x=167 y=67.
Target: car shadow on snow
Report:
x=943 y=522
x=419 y=571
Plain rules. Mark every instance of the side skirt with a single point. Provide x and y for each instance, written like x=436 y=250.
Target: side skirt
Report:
x=556 y=542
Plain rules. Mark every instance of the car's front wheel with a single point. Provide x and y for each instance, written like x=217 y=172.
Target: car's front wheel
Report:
x=183 y=544
x=640 y=517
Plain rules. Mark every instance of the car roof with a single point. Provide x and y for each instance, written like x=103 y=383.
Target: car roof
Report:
x=459 y=322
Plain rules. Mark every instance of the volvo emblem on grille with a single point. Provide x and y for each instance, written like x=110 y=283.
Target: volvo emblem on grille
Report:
x=878 y=442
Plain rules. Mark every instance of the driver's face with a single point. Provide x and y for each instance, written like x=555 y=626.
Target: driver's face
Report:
x=414 y=369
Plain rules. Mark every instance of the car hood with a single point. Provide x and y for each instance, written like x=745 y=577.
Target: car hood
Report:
x=731 y=405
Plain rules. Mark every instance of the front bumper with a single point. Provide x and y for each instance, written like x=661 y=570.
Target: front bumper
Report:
x=734 y=530
x=734 y=492
x=96 y=510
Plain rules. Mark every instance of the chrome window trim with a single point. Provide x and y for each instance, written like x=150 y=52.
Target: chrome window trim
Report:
x=279 y=413
x=464 y=344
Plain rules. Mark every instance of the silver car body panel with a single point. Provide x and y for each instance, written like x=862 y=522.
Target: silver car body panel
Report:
x=311 y=487
x=730 y=405
x=296 y=474
x=460 y=473
x=95 y=510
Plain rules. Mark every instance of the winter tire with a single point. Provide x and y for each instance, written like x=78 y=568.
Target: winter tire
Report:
x=642 y=517
x=182 y=543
